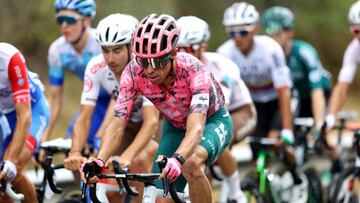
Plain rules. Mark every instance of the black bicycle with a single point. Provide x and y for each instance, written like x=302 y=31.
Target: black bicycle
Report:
x=345 y=190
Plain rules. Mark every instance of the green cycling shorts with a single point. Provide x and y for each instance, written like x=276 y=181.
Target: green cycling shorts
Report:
x=216 y=136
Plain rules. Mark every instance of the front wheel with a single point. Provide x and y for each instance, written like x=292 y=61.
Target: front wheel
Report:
x=314 y=186
x=251 y=190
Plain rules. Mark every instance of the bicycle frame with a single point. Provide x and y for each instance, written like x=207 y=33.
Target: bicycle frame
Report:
x=264 y=180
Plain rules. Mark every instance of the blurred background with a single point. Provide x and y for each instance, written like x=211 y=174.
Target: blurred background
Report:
x=31 y=27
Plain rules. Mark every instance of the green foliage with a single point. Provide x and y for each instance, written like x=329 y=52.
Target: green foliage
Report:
x=30 y=25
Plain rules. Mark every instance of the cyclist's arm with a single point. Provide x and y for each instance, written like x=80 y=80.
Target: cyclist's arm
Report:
x=146 y=132
x=81 y=128
x=318 y=105
x=107 y=119
x=194 y=128
x=338 y=97
x=23 y=120
x=284 y=107
x=112 y=138
x=55 y=101
x=19 y=82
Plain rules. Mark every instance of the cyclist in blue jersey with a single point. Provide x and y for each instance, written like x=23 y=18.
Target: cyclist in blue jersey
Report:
x=72 y=51
x=26 y=109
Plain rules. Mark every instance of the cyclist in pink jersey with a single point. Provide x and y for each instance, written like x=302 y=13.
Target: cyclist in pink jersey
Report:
x=197 y=127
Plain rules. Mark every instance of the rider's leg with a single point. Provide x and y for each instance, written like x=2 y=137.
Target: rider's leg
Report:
x=193 y=171
x=228 y=166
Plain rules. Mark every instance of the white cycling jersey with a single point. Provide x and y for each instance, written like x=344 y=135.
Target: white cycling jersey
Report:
x=350 y=61
x=263 y=70
x=228 y=74
x=98 y=74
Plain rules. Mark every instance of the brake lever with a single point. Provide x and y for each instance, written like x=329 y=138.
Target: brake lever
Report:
x=165 y=181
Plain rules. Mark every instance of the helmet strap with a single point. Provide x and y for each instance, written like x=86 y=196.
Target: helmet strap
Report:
x=81 y=34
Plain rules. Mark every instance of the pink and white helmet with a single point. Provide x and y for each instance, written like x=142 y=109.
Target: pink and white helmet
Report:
x=155 y=36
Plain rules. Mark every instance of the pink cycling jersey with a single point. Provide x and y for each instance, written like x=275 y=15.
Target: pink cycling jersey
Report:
x=193 y=89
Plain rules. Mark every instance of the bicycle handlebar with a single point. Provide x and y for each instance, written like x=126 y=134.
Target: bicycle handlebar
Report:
x=123 y=176
x=6 y=188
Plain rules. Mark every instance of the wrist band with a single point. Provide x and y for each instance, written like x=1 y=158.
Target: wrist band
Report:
x=178 y=157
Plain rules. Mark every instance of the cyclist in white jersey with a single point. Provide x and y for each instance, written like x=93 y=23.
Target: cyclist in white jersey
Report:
x=263 y=68
x=193 y=39
x=114 y=34
x=72 y=51
x=347 y=73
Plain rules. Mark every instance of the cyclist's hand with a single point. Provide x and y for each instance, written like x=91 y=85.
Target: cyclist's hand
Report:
x=74 y=161
x=330 y=121
x=89 y=168
x=123 y=161
x=172 y=169
x=9 y=171
x=287 y=136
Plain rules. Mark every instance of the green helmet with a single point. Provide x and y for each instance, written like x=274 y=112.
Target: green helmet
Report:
x=276 y=19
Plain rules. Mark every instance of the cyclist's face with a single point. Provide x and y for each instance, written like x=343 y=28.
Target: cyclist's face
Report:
x=243 y=35
x=116 y=57
x=71 y=23
x=158 y=75
x=282 y=37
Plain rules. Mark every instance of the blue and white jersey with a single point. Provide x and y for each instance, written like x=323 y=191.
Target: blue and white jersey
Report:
x=62 y=55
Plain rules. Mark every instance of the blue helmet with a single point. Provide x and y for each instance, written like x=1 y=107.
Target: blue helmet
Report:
x=84 y=7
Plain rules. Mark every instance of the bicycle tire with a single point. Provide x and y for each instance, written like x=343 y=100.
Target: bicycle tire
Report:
x=250 y=188
x=314 y=187
x=339 y=183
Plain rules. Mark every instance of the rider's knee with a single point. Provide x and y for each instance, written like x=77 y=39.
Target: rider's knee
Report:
x=193 y=168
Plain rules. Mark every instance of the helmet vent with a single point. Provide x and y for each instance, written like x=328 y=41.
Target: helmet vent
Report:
x=107 y=34
x=139 y=32
x=114 y=38
x=145 y=45
x=163 y=42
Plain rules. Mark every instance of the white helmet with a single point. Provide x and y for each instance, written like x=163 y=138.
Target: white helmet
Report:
x=193 y=30
x=240 y=13
x=354 y=13
x=116 y=29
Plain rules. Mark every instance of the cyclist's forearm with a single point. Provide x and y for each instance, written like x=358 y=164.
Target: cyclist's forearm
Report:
x=338 y=97
x=285 y=108
x=55 y=102
x=112 y=138
x=80 y=132
x=19 y=137
x=318 y=105
x=194 y=131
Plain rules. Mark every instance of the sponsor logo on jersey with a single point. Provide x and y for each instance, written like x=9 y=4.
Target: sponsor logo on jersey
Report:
x=97 y=67
x=20 y=82
x=88 y=84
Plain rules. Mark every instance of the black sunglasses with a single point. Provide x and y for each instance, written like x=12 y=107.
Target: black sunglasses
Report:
x=70 y=20
x=156 y=63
